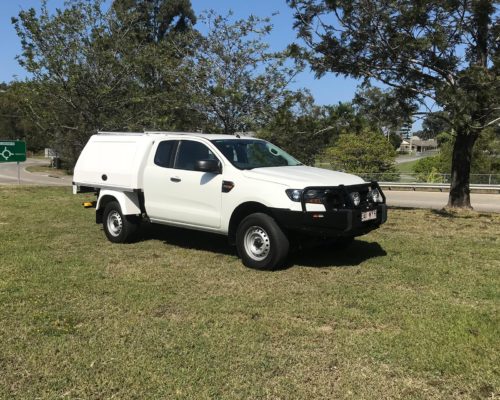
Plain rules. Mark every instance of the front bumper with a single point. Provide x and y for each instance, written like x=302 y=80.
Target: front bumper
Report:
x=335 y=223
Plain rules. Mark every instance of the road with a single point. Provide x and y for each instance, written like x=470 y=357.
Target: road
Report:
x=414 y=199
x=408 y=158
x=8 y=175
x=437 y=200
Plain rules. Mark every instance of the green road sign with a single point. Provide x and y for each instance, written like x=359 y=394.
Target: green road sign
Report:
x=12 y=151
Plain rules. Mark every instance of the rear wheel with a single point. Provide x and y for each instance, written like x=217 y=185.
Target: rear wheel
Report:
x=261 y=243
x=119 y=228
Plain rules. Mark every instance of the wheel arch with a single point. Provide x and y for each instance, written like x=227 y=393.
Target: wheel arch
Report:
x=240 y=213
x=128 y=201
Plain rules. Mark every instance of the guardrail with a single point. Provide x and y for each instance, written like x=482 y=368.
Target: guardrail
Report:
x=411 y=177
x=441 y=187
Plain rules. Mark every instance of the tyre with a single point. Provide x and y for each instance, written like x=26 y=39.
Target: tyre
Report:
x=261 y=243
x=119 y=228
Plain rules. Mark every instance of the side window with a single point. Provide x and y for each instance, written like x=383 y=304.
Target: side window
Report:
x=164 y=153
x=190 y=152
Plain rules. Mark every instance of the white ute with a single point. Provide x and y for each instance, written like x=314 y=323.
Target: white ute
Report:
x=245 y=188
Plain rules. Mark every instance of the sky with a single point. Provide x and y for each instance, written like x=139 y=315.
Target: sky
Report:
x=328 y=90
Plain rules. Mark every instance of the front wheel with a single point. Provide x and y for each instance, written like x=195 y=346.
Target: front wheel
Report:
x=119 y=228
x=261 y=243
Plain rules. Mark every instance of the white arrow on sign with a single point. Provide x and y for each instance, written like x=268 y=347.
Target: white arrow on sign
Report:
x=6 y=153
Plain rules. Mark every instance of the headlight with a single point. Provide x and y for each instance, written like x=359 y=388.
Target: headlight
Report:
x=294 y=194
x=310 y=196
x=355 y=198
x=376 y=196
x=314 y=196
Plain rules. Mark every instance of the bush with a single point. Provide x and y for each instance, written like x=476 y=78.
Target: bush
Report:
x=429 y=169
x=485 y=158
x=367 y=154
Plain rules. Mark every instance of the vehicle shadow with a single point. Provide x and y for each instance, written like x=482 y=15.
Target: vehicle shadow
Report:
x=325 y=256
x=322 y=256
x=187 y=238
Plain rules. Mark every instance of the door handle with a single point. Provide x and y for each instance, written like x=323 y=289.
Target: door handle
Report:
x=175 y=179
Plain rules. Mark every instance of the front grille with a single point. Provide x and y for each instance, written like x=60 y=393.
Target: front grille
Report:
x=334 y=199
x=365 y=200
x=338 y=197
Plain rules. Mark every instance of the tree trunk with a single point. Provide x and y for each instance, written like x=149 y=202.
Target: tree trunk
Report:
x=460 y=171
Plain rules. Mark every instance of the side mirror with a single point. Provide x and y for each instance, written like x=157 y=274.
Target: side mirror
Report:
x=211 y=166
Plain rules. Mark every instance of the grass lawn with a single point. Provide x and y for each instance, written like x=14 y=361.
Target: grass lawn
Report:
x=410 y=311
x=406 y=167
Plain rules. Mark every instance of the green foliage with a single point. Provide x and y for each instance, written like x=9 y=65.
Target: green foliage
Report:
x=90 y=70
x=366 y=154
x=154 y=20
x=140 y=64
x=433 y=125
x=427 y=168
x=294 y=128
x=416 y=48
x=159 y=37
x=14 y=123
x=237 y=83
x=485 y=157
x=395 y=140
x=383 y=110
x=304 y=129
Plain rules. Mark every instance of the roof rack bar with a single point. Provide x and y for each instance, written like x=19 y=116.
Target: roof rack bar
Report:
x=173 y=133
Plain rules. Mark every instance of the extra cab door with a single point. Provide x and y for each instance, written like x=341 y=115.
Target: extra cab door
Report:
x=176 y=192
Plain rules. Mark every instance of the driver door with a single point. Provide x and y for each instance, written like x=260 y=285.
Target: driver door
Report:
x=176 y=193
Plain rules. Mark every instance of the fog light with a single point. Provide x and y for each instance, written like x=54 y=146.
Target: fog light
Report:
x=355 y=198
x=376 y=196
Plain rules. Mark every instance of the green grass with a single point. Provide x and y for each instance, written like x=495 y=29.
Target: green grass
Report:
x=406 y=167
x=410 y=311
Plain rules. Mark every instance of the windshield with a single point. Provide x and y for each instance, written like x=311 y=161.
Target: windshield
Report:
x=249 y=154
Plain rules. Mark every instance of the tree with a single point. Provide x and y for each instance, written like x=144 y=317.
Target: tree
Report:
x=434 y=123
x=305 y=129
x=14 y=121
x=427 y=51
x=154 y=20
x=367 y=154
x=91 y=69
x=405 y=131
x=236 y=82
x=10 y=115
x=163 y=30
x=485 y=160
x=383 y=110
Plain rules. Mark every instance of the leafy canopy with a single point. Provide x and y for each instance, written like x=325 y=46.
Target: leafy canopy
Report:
x=365 y=154
x=443 y=51
x=430 y=52
x=237 y=82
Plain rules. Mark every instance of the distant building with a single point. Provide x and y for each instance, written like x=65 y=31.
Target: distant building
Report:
x=417 y=145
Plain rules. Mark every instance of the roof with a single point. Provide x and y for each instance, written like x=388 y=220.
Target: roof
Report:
x=425 y=143
x=209 y=136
